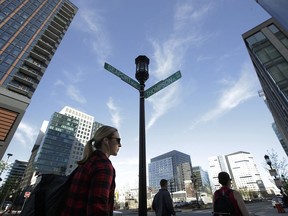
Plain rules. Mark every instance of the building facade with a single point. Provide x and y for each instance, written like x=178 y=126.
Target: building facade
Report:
x=11 y=188
x=30 y=32
x=267 y=45
x=173 y=166
x=60 y=144
x=277 y=9
x=29 y=174
x=85 y=130
x=55 y=148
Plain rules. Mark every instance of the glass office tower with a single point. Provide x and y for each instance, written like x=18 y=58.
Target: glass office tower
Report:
x=277 y=9
x=267 y=45
x=169 y=166
x=30 y=32
x=55 y=148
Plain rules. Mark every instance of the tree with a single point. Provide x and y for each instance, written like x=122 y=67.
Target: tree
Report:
x=3 y=166
x=280 y=165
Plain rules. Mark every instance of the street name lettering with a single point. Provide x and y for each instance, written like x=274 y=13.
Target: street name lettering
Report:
x=162 y=84
x=122 y=76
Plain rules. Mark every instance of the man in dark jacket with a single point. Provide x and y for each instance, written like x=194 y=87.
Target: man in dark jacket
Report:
x=162 y=203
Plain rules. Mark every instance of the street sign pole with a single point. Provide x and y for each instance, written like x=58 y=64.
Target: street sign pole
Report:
x=142 y=75
x=142 y=155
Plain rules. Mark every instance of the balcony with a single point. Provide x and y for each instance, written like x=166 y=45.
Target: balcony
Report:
x=21 y=78
x=50 y=41
x=63 y=17
x=39 y=57
x=55 y=31
x=64 y=13
x=60 y=21
x=43 y=51
x=51 y=35
x=46 y=45
x=16 y=87
x=30 y=72
x=34 y=64
x=68 y=8
x=57 y=26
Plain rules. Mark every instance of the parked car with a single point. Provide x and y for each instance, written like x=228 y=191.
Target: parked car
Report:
x=117 y=213
x=278 y=199
x=6 y=205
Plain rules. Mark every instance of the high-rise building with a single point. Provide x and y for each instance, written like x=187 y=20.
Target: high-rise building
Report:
x=201 y=183
x=280 y=138
x=62 y=145
x=10 y=189
x=216 y=164
x=267 y=45
x=30 y=169
x=277 y=9
x=30 y=32
x=173 y=166
x=55 y=148
x=85 y=130
x=242 y=170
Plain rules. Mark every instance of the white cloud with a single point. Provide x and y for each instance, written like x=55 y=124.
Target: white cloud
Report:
x=186 y=13
x=71 y=85
x=92 y=23
x=75 y=94
x=25 y=134
x=170 y=54
x=115 y=114
x=236 y=93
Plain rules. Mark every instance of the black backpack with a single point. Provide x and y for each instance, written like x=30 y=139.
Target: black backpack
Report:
x=223 y=205
x=49 y=196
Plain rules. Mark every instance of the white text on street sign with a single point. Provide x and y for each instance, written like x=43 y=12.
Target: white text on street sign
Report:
x=122 y=76
x=162 y=84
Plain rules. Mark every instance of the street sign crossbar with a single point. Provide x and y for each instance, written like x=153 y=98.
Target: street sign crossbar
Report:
x=162 y=84
x=122 y=76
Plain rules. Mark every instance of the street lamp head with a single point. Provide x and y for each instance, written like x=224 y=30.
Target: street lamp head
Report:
x=9 y=154
x=142 y=63
x=268 y=161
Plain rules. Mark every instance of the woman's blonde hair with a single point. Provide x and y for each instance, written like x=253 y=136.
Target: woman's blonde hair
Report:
x=96 y=141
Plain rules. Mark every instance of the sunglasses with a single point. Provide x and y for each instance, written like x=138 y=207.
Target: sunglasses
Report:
x=118 y=139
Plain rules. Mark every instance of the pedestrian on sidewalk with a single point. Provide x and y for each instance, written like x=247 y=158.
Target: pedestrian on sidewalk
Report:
x=93 y=185
x=232 y=199
x=162 y=203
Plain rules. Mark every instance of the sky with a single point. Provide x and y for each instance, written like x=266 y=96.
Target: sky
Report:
x=214 y=109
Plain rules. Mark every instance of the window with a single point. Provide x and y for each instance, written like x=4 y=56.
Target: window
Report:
x=255 y=38
x=268 y=53
x=273 y=29
x=9 y=59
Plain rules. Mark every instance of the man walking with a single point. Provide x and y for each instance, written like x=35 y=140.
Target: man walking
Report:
x=227 y=201
x=162 y=203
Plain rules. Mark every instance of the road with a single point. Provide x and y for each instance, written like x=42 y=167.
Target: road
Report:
x=258 y=208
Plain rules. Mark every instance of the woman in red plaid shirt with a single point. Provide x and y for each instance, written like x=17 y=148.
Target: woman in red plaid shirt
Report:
x=92 y=189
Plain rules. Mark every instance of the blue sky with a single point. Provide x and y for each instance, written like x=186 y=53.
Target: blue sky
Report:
x=213 y=109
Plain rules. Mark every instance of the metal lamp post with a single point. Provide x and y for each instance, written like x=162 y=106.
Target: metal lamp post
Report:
x=268 y=161
x=142 y=75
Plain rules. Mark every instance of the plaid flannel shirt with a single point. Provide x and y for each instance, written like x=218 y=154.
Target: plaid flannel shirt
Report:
x=92 y=189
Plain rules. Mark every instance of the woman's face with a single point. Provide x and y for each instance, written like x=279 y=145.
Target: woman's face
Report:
x=114 y=143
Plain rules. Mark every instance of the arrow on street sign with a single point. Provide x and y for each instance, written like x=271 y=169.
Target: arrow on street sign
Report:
x=122 y=76
x=162 y=84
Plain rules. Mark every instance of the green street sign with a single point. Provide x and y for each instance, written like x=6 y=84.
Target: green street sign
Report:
x=162 y=84
x=122 y=76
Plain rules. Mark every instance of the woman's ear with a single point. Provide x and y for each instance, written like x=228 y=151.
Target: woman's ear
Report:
x=106 y=139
